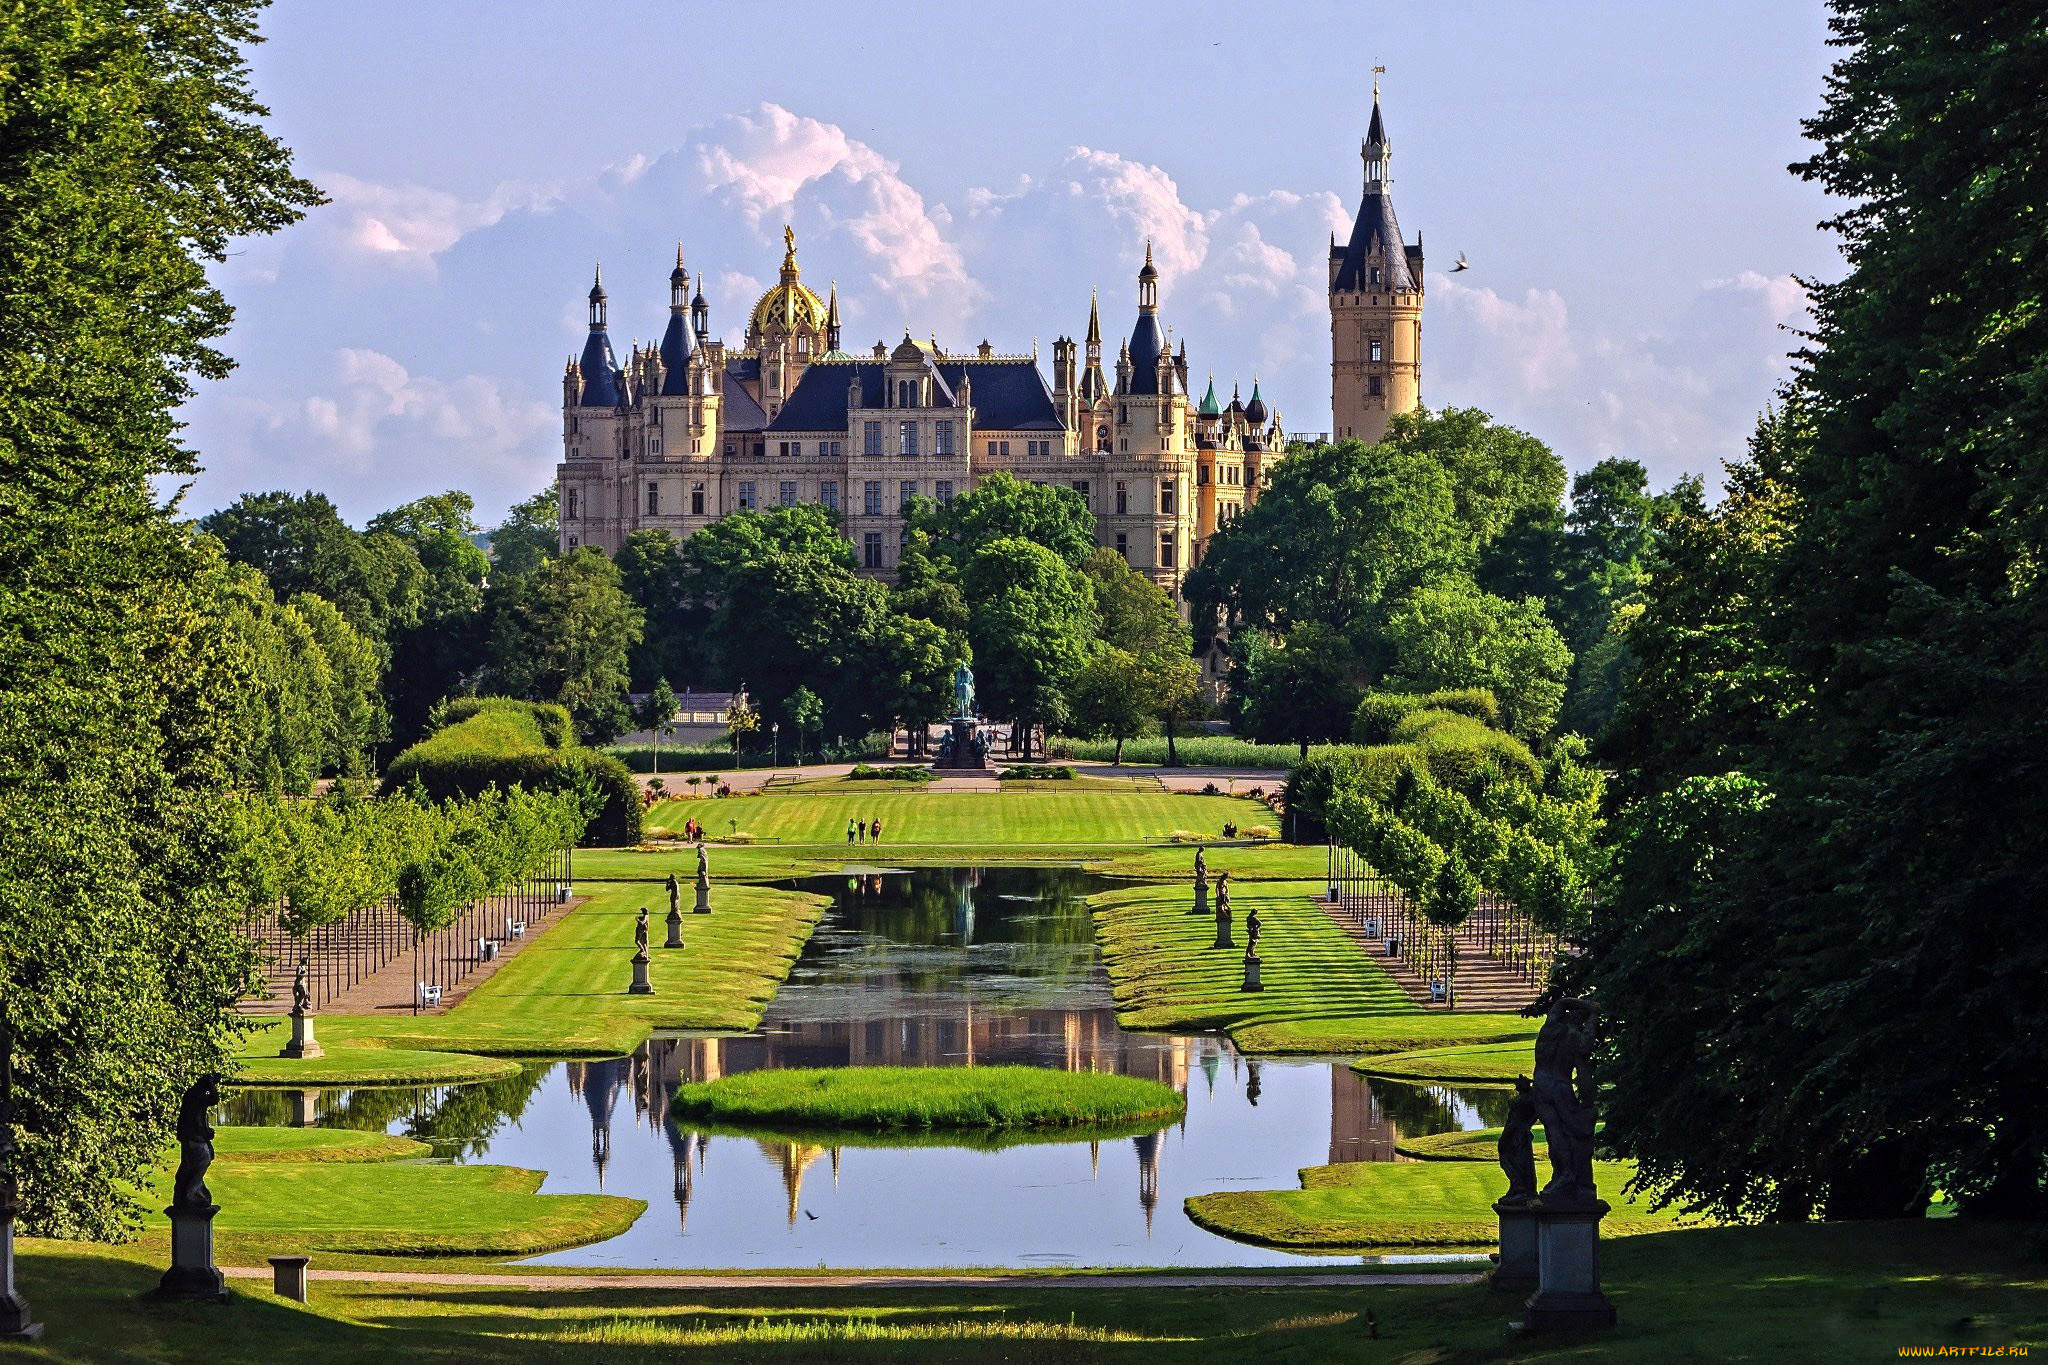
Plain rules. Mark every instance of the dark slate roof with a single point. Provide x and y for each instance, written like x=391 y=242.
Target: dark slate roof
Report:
x=675 y=354
x=1376 y=226
x=600 y=387
x=1255 y=411
x=1147 y=342
x=1377 y=132
x=1008 y=395
x=740 y=412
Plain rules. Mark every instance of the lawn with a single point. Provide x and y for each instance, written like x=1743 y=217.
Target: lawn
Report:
x=1494 y=1064
x=1024 y=814
x=564 y=993
x=1323 y=993
x=1392 y=1204
x=923 y=1097
x=1799 y=1292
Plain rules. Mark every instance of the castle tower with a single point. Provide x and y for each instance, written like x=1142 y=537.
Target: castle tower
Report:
x=1375 y=307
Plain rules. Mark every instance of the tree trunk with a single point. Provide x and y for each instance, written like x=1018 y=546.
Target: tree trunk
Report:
x=1119 y=760
x=1172 y=752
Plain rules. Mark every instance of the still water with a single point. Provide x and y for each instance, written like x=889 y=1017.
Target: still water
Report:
x=936 y=967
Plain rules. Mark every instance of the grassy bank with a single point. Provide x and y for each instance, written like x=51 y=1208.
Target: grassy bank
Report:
x=1473 y=1064
x=1806 y=1292
x=1019 y=814
x=564 y=993
x=1322 y=994
x=1381 y=1205
x=921 y=1098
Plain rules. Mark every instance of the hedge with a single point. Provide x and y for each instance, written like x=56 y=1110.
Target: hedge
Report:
x=503 y=743
x=1379 y=713
x=549 y=721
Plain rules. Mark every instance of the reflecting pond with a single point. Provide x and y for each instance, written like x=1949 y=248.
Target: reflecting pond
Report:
x=935 y=967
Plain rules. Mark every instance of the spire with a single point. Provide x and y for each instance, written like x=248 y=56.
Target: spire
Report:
x=1255 y=410
x=1210 y=407
x=677 y=340
x=1376 y=231
x=832 y=320
x=597 y=298
x=599 y=366
x=1376 y=150
x=1147 y=340
x=789 y=267
x=1094 y=326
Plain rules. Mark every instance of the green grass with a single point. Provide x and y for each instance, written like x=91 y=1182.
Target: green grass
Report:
x=363 y=1062
x=1323 y=993
x=918 y=1097
x=1840 y=1292
x=564 y=993
x=1472 y=1144
x=1364 y=1205
x=1468 y=1064
x=239 y=1145
x=1021 y=814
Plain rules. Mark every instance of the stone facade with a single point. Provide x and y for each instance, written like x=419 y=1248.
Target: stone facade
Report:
x=691 y=430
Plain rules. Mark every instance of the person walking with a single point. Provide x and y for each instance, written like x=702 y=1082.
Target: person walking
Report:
x=875 y=830
x=849 y=831
x=860 y=829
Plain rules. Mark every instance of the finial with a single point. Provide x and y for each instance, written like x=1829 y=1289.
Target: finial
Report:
x=1148 y=251
x=597 y=278
x=679 y=253
x=1377 y=72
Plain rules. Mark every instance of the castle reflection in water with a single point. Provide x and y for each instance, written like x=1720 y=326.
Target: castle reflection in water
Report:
x=1069 y=1039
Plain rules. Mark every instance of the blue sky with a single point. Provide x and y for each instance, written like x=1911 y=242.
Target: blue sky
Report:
x=1615 y=172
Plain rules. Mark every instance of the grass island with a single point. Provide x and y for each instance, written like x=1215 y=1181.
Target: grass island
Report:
x=920 y=1098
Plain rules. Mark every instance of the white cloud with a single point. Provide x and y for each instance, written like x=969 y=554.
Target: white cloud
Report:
x=408 y=225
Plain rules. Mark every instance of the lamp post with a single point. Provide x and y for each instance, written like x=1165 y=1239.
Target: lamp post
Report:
x=775 y=744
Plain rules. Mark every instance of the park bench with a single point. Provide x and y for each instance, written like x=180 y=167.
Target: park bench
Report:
x=516 y=928
x=1437 y=992
x=782 y=780
x=430 y=994
x=487 y=948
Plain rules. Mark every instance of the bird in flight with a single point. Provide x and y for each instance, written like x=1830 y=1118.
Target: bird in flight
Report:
x=812 y=1216
x=1462 y=264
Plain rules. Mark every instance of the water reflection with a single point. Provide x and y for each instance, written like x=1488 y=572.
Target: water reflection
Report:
x=939 y=968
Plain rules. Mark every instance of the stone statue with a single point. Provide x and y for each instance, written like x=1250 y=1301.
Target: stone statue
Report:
x=675 y=896
x=640 y=931
x=1517 y=1146
x=703 y=863
x=302 y=991
x=1223 y=911
x=1563 y=1095
x=963 y=691
x=1201 y=863
x=1251 y=930
x=195 y=1144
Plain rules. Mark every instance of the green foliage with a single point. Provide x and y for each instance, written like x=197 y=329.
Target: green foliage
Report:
x=1036 y=772
x=1379 y=713
x=301 y=544
x=1202 y=751
x=1450 y=635
x=1499 y=476
x=1003 y=507
x=863 y=772
x=916 y=1097
x=564 y=634
x=656 y=574
x=1299 y=689
x=529 y=535
x=131 y=154
x=1032 y=621
x=1854 y=951
x=500 y=743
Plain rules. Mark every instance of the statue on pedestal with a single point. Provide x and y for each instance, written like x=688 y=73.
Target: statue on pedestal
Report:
x=1201 y=905
x=302 y=991
x=1563 y=1096
x=195 y=1144
x=1223 y=911
x=1517 y=1145
x=640 y=934
x=963 y=691
x=675 y=896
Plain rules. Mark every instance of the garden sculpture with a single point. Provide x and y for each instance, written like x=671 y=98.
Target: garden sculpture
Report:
x=195 y=1144
x=1563 y=1094
x=1518 y=1145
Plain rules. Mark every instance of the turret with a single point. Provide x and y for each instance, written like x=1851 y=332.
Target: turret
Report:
x=599 y=366
x=1376 y=295
x=677 y=340
x=1147 y=342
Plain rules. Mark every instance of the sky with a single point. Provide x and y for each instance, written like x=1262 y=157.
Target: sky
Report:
x=1614 y=172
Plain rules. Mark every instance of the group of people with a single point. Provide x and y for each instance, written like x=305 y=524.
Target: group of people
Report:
x=858 y=833
x=693 y=830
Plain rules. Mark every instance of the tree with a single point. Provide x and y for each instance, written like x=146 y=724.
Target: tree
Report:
x=301 y=544
x=741 y=720
x=433 y=658
x=657 y=576
x=356 y=706
x=1109 y=697
x=563 y=634
x=1140 y=619
x=1451 y=635
x=1300 y=690
x=1342 y=531
x=131 y=154
x=1003 y=507
x=1032 y=621
x=1499 y=476
x=806 y=717
x=792 y=620
x=658 y=714
x=914 y=664
x=529 y=535
x=1851 y=868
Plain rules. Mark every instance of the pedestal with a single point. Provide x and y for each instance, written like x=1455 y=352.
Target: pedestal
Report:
x=964 y=758
x=16 y=1323
x=288 y=1277
x=305 y=1109
x=1251 y=973
x=641 y=985
x=1568 y=1296
x=703 y=897
x=1201 y=905
x=193 y=1274
x=1516 y=1273
x=1222 y=933
x=302 y=1043
x=675 y=929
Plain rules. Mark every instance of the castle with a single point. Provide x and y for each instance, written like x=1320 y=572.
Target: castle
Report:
x=691 y=430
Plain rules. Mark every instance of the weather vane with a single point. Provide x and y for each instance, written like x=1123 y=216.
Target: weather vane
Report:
x=1377 y=72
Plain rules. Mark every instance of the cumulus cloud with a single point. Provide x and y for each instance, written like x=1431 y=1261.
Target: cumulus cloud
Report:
x=405 y=339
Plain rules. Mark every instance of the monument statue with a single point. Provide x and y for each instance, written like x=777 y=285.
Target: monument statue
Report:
x=1251 y=930
x=1563 y=1096
x=195 y=1144
x=1223 y=911
x=640 y=931
x=963 y=691
x=1517 y=1146
x=1201 y=863
x=1201 y=905
x=675 y=896
x=703 y=863
x=302 y=991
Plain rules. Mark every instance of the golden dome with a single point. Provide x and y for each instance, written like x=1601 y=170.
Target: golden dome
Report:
x=790 y=304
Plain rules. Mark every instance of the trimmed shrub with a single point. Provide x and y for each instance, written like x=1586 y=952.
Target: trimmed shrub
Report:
x=504 y=743
x=1461 y=752
x=1035 y=772
x=864 y=772
x=1380 y=714
x=550 y=721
